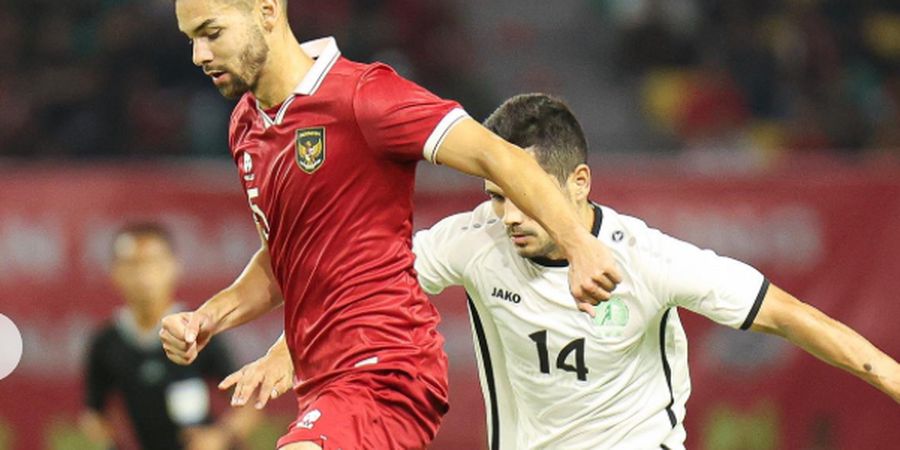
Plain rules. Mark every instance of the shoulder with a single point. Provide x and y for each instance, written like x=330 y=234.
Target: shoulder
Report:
x=379 y=80
x=477 y=226
x=355 y=88
x=346 y=69
x=629 y=238
x=374 y=71
x=341 y=79
x=454 y=247
x=349 y=77
x=464 y=236
x=616 y=227
x=643 y=248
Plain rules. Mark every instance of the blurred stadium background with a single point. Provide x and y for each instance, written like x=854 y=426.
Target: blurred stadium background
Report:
x=766 y=130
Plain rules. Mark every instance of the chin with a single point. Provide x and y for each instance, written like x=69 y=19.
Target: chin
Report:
x=527 y=252
x=231 y=93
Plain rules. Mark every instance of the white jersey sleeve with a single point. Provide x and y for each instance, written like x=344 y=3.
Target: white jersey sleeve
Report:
x=725 y=290
x=444 y=251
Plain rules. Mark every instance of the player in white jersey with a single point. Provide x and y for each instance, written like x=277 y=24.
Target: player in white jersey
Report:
x=553 y=377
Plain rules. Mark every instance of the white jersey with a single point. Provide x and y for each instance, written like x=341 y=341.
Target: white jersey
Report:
x=553 y=377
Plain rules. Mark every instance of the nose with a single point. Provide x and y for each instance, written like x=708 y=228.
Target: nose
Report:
x=201 y=54
x=512 y=215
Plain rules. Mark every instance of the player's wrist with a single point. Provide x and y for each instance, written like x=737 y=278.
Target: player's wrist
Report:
x=213 y=318
x=574 y=242
x=277 y=350
x=221 y=309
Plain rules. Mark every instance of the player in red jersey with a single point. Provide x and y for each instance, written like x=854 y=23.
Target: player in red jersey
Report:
x=326 y=151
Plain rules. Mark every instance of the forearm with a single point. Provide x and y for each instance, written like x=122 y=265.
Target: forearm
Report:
x=254 y=293
x=529 y=187
x=518 y=174
x=836 y=344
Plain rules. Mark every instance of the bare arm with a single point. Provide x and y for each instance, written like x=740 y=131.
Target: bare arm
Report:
x=254 y=293
x=471 y=148
x=827 y=339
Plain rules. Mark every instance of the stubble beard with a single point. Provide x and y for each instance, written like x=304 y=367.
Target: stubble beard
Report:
x=542 y=248
x=541 y=251
x=251 y=61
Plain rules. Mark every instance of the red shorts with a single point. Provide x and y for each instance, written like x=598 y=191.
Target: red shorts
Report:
x=369 y=410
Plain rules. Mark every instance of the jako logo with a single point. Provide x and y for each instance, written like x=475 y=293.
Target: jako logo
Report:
x=506 y=295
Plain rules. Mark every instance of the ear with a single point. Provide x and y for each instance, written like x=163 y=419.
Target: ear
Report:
x=270 y=13
x=579 y=182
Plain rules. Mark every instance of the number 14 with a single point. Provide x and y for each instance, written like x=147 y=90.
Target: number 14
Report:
x=540 y=338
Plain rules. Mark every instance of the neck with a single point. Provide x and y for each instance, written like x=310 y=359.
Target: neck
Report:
x=586 y=216
x=285 y=66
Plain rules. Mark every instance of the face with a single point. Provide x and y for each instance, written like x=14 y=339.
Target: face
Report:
x=527 y=235
x=144 y=270
x=227 y=42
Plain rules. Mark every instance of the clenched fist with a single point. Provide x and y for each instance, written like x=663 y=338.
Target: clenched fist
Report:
x=184 y=335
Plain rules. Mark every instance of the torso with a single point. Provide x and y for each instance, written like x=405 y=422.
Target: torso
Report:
x=161 y=397
x=337 y=216
x=579 y=382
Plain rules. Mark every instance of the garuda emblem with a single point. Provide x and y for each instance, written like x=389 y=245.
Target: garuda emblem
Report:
x=310 y=143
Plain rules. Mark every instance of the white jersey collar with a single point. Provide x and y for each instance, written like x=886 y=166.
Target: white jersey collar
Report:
x=325 y=52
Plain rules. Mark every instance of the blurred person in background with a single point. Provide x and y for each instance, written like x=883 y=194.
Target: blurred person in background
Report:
x=167 y=404
x=326 y=150
x=554 y=378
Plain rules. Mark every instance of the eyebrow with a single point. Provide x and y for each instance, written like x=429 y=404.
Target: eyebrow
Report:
x=206 y=23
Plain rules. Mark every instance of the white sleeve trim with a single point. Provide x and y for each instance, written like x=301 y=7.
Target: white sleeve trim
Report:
x=434 y=141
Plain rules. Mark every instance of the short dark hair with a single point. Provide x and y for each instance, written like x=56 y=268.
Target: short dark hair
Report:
x=546 y=124
x=145 y=229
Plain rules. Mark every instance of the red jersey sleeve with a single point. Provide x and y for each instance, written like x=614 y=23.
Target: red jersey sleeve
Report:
x=400 y=118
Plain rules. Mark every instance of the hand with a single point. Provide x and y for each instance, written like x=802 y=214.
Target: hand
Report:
x=183 y=335
x=268 y=377
x=206 y=438
x=593 y=274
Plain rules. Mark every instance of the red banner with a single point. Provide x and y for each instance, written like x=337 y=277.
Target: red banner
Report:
x=828 y=235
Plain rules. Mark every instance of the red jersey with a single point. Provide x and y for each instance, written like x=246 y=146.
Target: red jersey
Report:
x=330 y=177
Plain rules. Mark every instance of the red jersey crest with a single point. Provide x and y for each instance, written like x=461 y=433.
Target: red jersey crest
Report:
x=310 y=145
